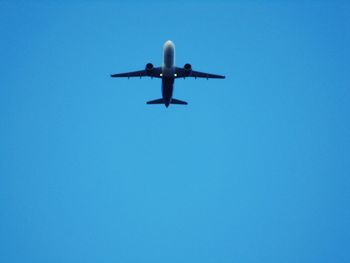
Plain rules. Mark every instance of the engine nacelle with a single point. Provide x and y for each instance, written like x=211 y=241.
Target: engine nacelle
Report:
x=188 y=67
x=149 y=66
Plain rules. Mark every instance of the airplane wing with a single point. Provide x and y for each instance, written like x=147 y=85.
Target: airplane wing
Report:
x=154 y=73
x=183 y=73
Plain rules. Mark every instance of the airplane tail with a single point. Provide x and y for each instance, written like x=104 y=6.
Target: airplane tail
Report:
x=158 y=101
x=180 y=102
x=161 y=101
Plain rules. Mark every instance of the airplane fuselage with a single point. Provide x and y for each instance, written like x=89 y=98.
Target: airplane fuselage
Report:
x=168 y=72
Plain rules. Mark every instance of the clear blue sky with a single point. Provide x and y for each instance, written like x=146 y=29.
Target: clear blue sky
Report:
x=255 y=169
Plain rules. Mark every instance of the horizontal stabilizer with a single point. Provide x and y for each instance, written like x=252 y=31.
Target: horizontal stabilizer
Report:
x=158 y=101
x=175 y=101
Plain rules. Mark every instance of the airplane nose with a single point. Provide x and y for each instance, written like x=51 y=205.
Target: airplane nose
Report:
x=168 y=43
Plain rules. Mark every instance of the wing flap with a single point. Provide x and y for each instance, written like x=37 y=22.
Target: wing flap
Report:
x=183 y=73
x=154 y=73
x=197 y=74
x=141 y=73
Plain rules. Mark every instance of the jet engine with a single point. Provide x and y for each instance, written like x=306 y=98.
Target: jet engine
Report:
x=149 y=66
x=188 y=67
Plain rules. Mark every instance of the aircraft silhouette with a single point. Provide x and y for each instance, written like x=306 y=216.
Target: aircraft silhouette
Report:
x=168 y=73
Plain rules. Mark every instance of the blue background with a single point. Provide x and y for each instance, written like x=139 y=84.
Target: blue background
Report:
x=255 y=169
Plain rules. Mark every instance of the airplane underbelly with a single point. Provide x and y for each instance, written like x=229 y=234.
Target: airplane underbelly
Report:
x=169 y=59
x=167 y=88
x=168 y=72
x=168 y=55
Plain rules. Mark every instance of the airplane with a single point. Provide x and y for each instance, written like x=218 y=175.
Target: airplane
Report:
x=168 y=72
